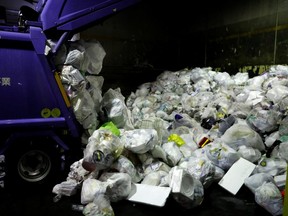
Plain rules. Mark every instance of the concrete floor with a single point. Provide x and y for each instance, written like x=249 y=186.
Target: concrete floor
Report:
x=217 y=201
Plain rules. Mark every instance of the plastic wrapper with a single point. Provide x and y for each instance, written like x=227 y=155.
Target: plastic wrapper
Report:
x=221 y=155
x=102 y=150
x=114 y=109
x=241 y=134
x=249 y=153
x=256 y=180
x=140 y=140
x=118 y=185
x=269 y=197
x=99 y=207
x=124 y=165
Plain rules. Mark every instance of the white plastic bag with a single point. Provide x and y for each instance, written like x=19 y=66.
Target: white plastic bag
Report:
x=140 y=140
x=269 y=197
x=241 y=134
x=99 y=207
x=118 y=185
x=92 y=188
x=102 y=150
x=256 y=180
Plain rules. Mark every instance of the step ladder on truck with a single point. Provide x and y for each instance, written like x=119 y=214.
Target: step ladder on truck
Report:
x=37 y=123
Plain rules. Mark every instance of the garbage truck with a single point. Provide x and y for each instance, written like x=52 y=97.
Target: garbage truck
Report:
x=38 y=129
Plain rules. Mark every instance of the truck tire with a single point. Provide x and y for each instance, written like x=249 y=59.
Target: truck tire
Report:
x=33 y=164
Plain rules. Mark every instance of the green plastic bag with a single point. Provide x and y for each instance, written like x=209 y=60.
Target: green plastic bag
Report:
x=112 y=127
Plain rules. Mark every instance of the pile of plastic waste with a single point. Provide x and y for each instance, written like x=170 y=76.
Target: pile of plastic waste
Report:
x=192 y=125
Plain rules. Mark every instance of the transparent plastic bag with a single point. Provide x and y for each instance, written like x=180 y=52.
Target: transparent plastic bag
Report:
x=92 y=188
x=102 y=150
x=221 y=155
x=118 y=185
x=99 y=207
x=257 y=179
x=269 y=197
x=140 y=140
x=124 y=165
x=113 y=108
x=249 y=153
x=241 y=134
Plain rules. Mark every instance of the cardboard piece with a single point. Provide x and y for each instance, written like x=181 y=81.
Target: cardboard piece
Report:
x=149 y=194
x=234 y=178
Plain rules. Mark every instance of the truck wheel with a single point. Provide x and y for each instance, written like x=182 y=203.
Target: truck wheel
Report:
x=33 y=164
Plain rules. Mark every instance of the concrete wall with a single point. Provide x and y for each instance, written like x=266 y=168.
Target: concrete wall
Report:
x=158 y=35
